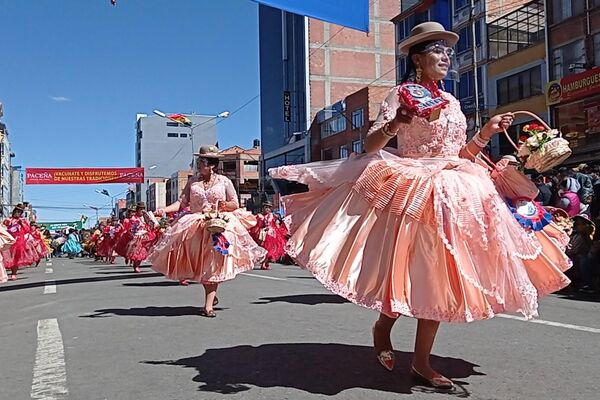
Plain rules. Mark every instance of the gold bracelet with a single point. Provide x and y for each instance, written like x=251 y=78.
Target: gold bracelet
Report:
x=385 y=129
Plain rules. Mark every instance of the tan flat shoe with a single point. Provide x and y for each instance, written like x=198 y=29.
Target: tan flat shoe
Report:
x=438 y=381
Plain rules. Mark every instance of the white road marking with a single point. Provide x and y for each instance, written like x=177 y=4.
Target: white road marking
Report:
x=49 y=270
x=50 y=287
x=49 y=263
x=262 y=277
x=49 y=372
x=552 y=323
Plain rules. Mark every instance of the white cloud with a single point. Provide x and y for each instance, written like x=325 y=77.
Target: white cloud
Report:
x=60 y=98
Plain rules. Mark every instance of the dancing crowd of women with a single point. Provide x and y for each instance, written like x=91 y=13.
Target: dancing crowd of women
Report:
x=419 y=231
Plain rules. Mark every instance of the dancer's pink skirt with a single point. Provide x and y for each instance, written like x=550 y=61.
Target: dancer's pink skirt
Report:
x=426 y=238
x=186 y=251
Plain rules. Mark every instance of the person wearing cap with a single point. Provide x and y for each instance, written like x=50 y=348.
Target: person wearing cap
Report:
x=420 y=230
x=189 y=250
x=269 y=234
x=22 y=253
x=141 y=228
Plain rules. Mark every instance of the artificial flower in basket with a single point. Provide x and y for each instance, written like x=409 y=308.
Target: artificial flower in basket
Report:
x=542 y=147
x=215 y=222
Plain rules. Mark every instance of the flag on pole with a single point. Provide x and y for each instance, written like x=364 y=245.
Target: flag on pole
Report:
x=182 y=119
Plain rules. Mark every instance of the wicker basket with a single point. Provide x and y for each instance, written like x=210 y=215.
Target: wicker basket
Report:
x=215 y=223
x=554 y=153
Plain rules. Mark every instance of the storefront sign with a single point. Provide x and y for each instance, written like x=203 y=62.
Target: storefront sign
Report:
x=573 y=87
x=287 y=106
x=60 y=226
x=73 y=176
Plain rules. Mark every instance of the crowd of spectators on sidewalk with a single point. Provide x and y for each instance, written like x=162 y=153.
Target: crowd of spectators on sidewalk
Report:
x=577 y=192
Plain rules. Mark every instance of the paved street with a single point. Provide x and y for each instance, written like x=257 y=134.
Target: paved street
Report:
x=106 y=333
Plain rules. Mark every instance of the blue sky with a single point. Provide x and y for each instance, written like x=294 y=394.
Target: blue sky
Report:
x=75 y=73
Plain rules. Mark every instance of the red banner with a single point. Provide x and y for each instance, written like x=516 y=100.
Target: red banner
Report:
x=76 y=176
x=573 y=87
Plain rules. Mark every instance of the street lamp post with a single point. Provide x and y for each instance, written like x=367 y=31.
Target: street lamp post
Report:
x=223 y=115
x=96 y=209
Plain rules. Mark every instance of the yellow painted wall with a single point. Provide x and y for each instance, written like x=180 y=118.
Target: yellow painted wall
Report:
x=516 y=60
x=536 y=105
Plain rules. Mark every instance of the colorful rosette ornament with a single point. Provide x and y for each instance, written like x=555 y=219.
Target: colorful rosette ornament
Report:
x=220 y=243
x=422 y=101
x=530 y=214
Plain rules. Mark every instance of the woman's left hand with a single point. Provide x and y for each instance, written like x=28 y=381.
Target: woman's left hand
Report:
x=224 y=206
x=497 y=124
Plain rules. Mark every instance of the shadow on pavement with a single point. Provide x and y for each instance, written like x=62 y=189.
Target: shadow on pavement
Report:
x=151 y=311
x=592 y=297
x=6 y=288
x=326 y=369
x=308 y=299
x=155 y=284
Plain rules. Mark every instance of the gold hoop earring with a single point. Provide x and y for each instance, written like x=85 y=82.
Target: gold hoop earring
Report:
x=419 y=74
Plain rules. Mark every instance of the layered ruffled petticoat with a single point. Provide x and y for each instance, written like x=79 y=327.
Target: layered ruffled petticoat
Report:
x=427 y=237
x=139 y=246
x=187 y=250
x=21 y=254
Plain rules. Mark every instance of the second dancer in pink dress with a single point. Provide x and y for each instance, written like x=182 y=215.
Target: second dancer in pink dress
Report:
x=188 y=250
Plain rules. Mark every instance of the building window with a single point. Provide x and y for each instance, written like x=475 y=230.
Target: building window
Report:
x=344 y=152
x=184 y=135
x=466 y=85
x=327 y=154
x=357 y=146
x=460 y=4
x=332 y=126
x=564 y=9
x=251 y=166
x=597 y=48
x=568 y=58
x=519 y=86
x=403 y=27
x=171 y=134
x=465 y=41
x=517 y=30
x=229 y=166
x=172 y=124
x=358 y=118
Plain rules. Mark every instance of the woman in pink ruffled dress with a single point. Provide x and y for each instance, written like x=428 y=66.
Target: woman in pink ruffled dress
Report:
x=189 y=251
x=420 y=231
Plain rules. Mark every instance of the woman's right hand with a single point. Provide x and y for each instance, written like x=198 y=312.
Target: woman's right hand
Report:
x=403 y=116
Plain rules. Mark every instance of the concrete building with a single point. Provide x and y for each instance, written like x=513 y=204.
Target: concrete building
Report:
x=157 y=194
x=164 y=146
x=6 y=173
x=307 y=65
x=242 y=167
x=175 y=185
x=573 y=94
x=338 y=137
x=17 y=184
x=517 y=68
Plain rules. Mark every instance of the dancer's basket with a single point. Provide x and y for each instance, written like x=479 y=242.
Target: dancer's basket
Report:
x=550 y=154
x=509 y=181
x=215 y=222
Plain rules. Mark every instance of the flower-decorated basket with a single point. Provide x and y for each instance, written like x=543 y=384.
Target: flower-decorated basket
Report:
x=215 y=222
x=542 y=147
